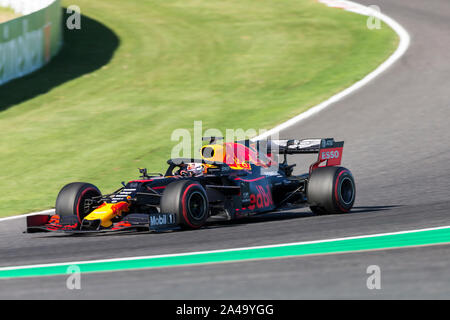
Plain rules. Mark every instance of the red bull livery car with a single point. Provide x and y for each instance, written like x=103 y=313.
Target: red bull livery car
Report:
x=227 y=181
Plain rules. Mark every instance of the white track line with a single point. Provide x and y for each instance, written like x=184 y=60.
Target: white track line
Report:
x=349 y=6
x=405 y=40
x=49 y=211
x=219 y=251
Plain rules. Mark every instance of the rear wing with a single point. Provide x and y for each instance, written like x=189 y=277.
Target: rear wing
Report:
x=294 y=146
x=328 y=150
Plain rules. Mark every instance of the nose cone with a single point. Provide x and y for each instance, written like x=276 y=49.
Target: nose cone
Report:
x=91 y=224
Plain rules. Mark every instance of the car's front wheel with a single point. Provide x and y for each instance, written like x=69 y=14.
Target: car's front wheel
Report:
x=188 y=201
x=76 y=199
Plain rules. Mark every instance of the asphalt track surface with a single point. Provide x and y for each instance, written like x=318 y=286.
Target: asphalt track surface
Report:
x=396 y=144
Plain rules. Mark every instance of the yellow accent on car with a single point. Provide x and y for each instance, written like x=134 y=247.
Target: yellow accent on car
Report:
x=213 y=152
x=108 y=211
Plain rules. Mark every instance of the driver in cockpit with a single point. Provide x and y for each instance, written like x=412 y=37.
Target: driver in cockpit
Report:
x=191 y=170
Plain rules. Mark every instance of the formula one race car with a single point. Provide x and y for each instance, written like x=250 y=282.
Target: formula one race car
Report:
x=229 y=180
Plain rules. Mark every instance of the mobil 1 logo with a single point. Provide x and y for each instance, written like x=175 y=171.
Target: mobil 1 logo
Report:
x=158 y=220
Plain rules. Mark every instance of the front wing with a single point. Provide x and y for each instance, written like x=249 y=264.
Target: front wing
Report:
x=131 y=222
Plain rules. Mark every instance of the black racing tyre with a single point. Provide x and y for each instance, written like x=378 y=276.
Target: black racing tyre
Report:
x=188 y=200
x=71 y=199
x=331 y=190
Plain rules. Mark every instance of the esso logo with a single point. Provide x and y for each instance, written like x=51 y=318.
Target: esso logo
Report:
x=330 y=155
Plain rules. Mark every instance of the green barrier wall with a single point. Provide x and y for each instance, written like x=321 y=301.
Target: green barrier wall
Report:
x=29 y=42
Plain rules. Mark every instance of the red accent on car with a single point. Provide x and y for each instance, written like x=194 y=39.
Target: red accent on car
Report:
x=183 y=202
x=336 y=195
x=251 y=180
x=38 y=220
x=121 y=225
x=333 y=156
x=329 y=156
x=79 y=200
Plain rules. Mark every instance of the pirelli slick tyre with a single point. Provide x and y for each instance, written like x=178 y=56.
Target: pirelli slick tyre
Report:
x=72 y=198
x=331 y=190
x=188 y=200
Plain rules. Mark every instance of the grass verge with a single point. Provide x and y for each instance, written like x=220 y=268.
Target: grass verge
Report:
x=7 y=14
x=139 y=69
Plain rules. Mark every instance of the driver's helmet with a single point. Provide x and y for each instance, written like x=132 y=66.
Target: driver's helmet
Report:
x=194 y=169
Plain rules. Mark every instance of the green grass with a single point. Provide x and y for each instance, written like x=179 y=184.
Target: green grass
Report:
x=7 y=14
x=139 y=69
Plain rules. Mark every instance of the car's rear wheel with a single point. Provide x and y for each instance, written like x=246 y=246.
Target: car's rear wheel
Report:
x=331 y=190
x=76 y=199
x=188 y=200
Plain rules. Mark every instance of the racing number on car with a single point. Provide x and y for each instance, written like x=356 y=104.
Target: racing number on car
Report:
x=262 y=199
